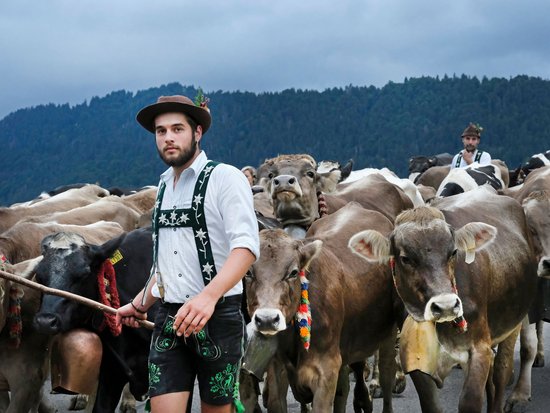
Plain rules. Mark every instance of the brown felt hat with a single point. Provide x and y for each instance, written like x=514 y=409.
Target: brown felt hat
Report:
x=177 y=103
x=472 y=130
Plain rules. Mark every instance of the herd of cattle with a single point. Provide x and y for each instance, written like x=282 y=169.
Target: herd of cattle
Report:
x=455 y=261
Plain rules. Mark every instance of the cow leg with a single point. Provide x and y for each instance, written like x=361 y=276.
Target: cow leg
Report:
x=502 y=369
x=539 y=358
x=387 y=368
x=128 y=402
x=111 y=382
x=320 y=373
x=479 y=364
x=4 y=400
x=342 y=390
x=374 y=383
x=428 y=394
x=249 y=391
x=275 y=387
x=362 y=402
x=521 y=395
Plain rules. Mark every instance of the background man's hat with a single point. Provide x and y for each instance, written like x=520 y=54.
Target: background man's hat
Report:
x=472 y=130
x=177 y=103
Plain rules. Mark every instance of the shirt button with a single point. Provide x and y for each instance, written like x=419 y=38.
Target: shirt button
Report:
x=174 y=207
x=187 y=296
x=174 y=229
x=180 y=275
x=175 y=252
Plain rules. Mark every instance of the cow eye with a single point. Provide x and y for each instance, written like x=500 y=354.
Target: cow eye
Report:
x=311 y=174
x=270 y=175
x=405 y=260
x=453 y=254
x=292 y=275
x=249 y=275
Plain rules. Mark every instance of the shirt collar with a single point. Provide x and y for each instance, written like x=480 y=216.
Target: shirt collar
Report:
x=197 y=166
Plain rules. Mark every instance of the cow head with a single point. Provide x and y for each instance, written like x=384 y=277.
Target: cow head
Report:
x=69 y=264
x=423 y=248
x=293 y=182
x=273 y=285
x=537 y=207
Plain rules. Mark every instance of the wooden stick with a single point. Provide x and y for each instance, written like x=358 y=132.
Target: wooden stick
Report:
x=65 y=294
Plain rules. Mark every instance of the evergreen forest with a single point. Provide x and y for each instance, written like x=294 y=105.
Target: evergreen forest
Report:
x=100 y=142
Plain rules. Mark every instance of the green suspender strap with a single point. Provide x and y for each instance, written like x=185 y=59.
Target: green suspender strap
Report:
x=185 y=217
x=476 y=159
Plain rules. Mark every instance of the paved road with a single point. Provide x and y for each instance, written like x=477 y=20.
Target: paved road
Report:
x=407 y=402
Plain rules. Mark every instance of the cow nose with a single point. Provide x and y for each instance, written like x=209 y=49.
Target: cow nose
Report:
x=47 y=323
x=444 y=307
x=544 y=267
x=263 y=321
x=269 y=320
x=284 y=180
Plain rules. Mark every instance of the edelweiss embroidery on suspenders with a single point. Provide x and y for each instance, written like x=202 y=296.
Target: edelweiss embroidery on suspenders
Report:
x=186 y=217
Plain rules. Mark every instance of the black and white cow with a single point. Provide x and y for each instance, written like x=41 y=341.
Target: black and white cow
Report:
x=461 y=180
x=72 y=265
x=420 y=164
x=536 y=161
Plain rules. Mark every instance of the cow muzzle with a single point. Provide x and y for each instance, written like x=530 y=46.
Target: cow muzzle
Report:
x=47 y=323
x=443 y=308
x=285 y=188
x=269 y=321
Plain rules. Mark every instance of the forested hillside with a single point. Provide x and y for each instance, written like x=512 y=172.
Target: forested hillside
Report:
x=100 y=142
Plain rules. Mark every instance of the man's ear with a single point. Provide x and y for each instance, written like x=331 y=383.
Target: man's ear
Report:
x=198 y=133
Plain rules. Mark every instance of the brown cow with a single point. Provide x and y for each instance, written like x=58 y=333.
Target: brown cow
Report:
x=106 y=209
x=432 y=252
x=22 y=241
x=73 y=198
x=293 y=185
x=23 y=367
x=353 y=308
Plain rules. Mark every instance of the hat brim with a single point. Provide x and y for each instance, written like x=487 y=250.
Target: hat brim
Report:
x=146 y=116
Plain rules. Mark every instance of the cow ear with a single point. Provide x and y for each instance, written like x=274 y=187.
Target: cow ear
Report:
x=106 y=250
x=370 y=245
x=309 y=252
x=473 y=237
x=326 y=181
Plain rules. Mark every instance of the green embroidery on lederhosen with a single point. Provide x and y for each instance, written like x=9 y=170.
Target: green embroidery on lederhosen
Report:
x=166 y=339
x=186 y=217
x=223 y=384
x=154 y=375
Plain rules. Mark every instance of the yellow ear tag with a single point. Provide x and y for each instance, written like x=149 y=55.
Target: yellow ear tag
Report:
x=116 y=257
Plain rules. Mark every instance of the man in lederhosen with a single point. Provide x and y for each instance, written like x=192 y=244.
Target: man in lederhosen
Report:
x=205 y=237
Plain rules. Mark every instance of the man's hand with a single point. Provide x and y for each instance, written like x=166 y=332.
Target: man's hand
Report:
x=468 y=156
x=194 y=314
x=129 y=316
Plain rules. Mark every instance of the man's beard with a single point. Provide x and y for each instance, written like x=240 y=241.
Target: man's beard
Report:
x=470 y=148
x=185 y=156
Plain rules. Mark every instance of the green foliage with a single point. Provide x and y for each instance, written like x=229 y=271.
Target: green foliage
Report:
x=100 y=142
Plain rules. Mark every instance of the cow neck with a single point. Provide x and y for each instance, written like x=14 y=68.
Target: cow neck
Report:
x=299 y=231
x=108 y=295
x=459 y=323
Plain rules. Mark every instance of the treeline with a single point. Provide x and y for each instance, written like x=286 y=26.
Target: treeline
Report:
x=100 y=142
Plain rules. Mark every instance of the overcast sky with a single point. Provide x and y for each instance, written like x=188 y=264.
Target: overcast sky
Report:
x=63 y=51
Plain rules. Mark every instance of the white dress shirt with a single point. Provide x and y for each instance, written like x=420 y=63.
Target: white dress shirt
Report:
x=230 y=220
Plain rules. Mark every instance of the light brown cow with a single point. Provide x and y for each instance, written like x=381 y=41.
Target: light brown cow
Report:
x=293 y=185
x=22 y=241
x=106 y=209
x=73 y=198
x=463 y=260
x=353 y=309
